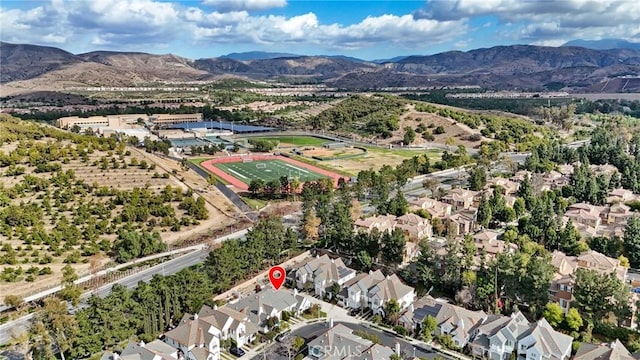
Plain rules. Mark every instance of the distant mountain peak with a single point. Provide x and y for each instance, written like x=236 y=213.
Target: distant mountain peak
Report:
x=257 y=55
x=604 y=44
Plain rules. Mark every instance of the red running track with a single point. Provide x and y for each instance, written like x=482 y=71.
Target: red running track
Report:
x=210 y=166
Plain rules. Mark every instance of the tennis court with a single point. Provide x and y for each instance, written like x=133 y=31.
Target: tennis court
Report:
x=267 y=170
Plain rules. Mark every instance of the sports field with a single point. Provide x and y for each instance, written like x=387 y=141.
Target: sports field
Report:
x=267 y=170
x=239 y=172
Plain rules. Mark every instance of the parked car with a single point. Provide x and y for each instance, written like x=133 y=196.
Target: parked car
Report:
x=282 y=336
x=236 y=351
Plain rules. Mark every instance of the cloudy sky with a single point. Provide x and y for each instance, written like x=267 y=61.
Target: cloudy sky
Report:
x=364 y=29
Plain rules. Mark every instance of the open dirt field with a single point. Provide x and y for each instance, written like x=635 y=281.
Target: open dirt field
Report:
x=324 y=152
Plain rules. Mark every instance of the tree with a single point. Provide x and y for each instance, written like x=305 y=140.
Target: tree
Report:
x=429 y=325
x=256 y=187
x=477 y=178
x=310 y=226
x=365 y=260
x=553 y=313
x=398 y=205
x=52 y=329
x=631 y=241
x=409 y=136
x=485 y=212
x=70 y=291
x=393 y=247
x=431 y=184
x=392 y=311
x=596 y=295
x=573 y=319
x=262 y=145
x=427 y=266
x=624 y=262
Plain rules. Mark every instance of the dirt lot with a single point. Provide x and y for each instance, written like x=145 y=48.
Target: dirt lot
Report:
x=324 y=152
x=221 y=212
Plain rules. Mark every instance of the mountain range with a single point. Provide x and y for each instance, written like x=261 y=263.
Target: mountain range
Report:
x=604 y=44
x=31 y=68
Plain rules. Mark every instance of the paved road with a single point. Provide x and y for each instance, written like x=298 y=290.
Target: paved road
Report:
x=16 y=327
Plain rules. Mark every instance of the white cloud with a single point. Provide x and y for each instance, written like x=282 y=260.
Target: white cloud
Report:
x=307 y=28
x=542 y=20
x=249 y=5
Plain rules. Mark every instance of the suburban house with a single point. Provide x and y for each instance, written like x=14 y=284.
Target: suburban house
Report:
x=155 y=350
x=323 y=272
x=270 y=303
x=230 y=323
x=509 y=187
x=455 y=321
x=541 y=341
x=373 y=290
x=413 y=226
x=458 y=323
x=504 y=341
x=553 y=180
x=381 y=222
x=195 y=339
x=620 y=195
x=487 y=242
x=563 y=281
x=390 y=288
x=460 y=199
x=612 y=351
x=463 y=222
x=618 y=214
x=437 y=209
x=484 y=331
x=340 y=343
x=420 y=309
x=586 y=214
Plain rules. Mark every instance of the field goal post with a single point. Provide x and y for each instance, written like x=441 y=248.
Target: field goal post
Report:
x=246 y=159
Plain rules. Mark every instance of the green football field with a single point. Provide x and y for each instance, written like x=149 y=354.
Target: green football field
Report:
x=267 y=170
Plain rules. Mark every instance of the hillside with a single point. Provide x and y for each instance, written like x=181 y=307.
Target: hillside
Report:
x=84 y=201
x=21 y=61
x=500 y=67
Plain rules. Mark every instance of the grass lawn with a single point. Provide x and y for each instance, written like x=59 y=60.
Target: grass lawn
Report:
x=296 y=140
x=267 y=170
x=255 y=204
x=314 y=315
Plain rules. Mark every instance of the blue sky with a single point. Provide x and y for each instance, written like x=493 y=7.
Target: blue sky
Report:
x=364 y=29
